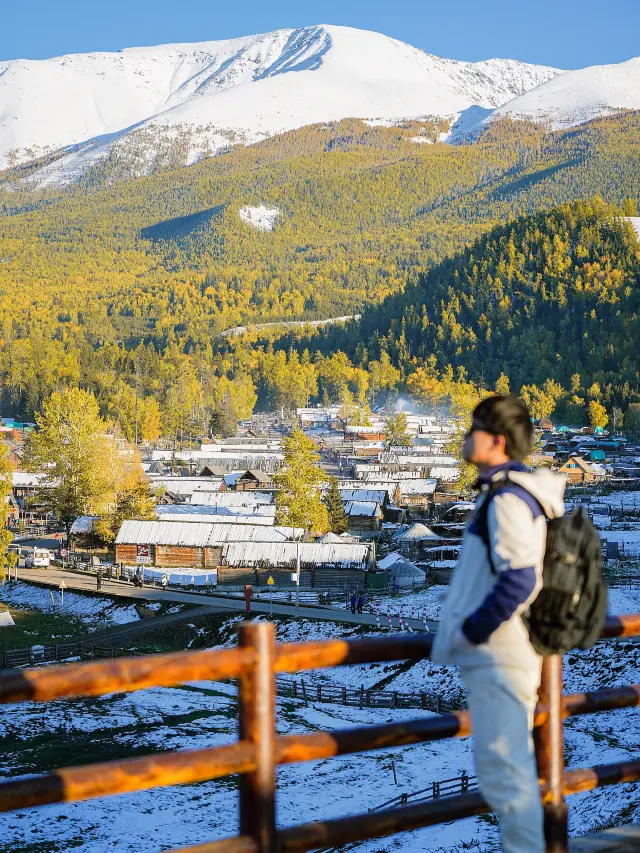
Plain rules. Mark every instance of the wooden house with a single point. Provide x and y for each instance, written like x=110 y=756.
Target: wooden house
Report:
x=253 y=479
x=577 y=470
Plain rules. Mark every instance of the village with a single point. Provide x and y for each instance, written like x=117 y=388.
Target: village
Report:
x=214 y=553
x=402 y=506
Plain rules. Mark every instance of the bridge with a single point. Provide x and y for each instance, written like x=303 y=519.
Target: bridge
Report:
x=258 y=752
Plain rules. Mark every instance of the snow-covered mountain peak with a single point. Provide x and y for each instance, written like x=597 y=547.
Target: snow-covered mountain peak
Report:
x=579 y=96
x=201 y=98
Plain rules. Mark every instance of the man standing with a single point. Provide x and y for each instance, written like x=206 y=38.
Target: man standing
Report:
x=481 y=629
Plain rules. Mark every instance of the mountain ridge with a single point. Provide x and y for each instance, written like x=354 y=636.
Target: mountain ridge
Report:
x=213 y=95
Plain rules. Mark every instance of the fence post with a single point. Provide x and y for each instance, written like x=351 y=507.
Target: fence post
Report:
x=550 y=757
x=256 y=705
x=344 y=695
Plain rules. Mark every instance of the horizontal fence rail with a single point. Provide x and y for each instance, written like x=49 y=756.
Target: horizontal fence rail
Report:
x=444 y=788
x=364 y=697
x=256 y=662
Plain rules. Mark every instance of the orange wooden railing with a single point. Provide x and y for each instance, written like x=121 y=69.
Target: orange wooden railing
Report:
x=258 y=752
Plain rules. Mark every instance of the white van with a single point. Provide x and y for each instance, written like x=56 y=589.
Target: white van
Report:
x=39 y=558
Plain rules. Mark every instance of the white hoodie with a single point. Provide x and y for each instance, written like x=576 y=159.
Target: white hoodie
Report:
x=489 y=605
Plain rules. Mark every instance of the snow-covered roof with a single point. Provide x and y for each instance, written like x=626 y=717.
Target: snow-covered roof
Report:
x=364 y=430
x=417 y=487
x=187 y=485
x=193 y=534
x=404 y=568
x=417 y=533
x=447 y=475
x=213 y=513
x=212 y=518
x=284 y=554
x=333 y=538
x=363 y=509
x=83 y=524
x=232 y=499
x=389 y=560
x=365 y=495
x=23 y=479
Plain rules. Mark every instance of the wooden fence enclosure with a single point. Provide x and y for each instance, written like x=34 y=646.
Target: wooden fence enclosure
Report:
x=258 y=752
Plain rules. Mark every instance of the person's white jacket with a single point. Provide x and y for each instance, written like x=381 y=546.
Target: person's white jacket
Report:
x=480 y=623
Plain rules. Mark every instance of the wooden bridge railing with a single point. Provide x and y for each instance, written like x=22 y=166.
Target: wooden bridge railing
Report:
x=258 y=752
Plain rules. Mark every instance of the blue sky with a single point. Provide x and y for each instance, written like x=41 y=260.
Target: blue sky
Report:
x=564 y=33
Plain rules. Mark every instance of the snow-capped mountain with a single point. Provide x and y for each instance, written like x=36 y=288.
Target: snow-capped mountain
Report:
x=200 y=98
x=579 y=96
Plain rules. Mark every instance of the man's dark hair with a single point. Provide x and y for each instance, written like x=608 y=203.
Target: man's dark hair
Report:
x=507 y=416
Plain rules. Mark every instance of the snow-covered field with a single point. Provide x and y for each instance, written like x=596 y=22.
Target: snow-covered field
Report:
x=263 y=218
x=89 y=608
x=35 y=738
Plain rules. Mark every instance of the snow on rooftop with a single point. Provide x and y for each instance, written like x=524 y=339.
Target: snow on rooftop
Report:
x=263 y=218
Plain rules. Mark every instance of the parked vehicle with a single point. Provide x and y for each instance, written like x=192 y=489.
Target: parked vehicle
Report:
x=39 y=558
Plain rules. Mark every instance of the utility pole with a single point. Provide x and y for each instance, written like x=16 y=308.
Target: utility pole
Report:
x=298 y=576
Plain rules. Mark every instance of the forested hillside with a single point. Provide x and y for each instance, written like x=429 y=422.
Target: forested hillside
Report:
x=122 y=286
x=545 y=296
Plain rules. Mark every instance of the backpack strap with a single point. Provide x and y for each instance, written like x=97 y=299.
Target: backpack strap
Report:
x=480 y=525
x=481 y=519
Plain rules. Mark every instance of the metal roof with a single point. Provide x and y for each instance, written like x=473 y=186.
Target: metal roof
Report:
x=284 y=555
x=363 y=509
x=226 y=513
x=418 y=487
x=212 y=518
x=446 y=474
x=366 y=495
x=231 y=499
x=195 y=535
x=83 y=524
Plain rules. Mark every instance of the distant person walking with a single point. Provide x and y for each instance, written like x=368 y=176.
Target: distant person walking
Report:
x=353 y=602
x=99 y=579
x=360 y=603
x=481 y=629
x=165 y=581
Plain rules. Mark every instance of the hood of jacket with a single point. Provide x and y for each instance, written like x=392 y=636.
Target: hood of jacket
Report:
x=546 y=487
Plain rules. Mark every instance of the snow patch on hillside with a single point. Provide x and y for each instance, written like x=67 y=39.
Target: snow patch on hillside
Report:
x=635 y=224
x=263 y=218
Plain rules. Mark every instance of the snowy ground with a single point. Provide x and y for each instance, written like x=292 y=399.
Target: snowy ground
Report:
x=36 y=738
x=89 y=608
x=263 y=218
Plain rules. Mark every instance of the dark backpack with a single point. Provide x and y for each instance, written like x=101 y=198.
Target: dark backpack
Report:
x=570 y=609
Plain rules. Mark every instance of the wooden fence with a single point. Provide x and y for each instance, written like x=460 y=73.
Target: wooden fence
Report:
x=258 y=751
x=57 y=652
x=364 y=697
x=334 y=694
x=446 y=788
